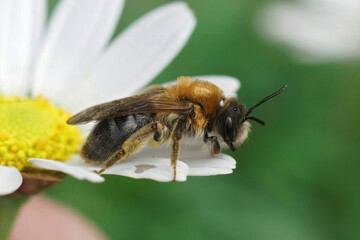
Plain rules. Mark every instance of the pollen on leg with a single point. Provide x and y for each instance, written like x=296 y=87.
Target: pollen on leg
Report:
x=34 y=128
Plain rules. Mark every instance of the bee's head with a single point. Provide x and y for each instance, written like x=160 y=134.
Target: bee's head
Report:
x=231 y=121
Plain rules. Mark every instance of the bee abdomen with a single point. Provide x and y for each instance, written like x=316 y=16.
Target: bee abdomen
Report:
x=108 y=136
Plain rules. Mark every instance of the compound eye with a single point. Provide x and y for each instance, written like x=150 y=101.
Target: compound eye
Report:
x=229 y=129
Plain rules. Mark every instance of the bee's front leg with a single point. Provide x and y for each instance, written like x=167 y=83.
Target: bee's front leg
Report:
x=214 y=144
x=177 y=134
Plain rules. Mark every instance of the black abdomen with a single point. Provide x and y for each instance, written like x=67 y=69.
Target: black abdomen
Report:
x=108 y=136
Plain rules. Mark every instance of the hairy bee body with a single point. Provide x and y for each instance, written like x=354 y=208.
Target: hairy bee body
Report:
x=190 y=108
x=108 y=136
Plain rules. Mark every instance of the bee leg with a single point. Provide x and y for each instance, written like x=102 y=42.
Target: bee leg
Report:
x=161 y=135
x=132 y=145
x=214 y=143
x=177 y=134
x=215 y=146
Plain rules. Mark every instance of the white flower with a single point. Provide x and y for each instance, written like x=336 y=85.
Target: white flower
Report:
x=316 y=30
x=71 y=64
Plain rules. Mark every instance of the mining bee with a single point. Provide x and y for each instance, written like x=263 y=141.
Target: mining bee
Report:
x=189 y=108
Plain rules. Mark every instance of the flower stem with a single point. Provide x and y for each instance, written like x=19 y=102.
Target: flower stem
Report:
x=9 y=207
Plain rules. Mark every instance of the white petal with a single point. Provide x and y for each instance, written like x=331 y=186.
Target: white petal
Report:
x=77 y=33
x=228 y=84
x=78 y=171
x=202 y=165
x=158 y=169
x=21 y=25
x=199 y=163
x=138 y=54
x=197 y=159
x=10 y=180
x=203 y=171
x=320 y=30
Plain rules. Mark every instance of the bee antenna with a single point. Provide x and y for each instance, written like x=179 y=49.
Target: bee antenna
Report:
x=255 y=119
x=266 y=99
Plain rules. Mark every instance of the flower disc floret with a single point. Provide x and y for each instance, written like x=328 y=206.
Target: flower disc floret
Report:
x=34 y=128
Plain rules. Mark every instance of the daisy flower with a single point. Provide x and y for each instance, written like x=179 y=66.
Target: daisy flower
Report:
x=48 y=72
x=315 y=30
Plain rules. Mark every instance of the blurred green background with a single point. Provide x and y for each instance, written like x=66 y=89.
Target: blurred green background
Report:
x=296 y=178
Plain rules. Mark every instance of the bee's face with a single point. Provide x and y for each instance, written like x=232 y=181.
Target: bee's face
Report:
x=231 y=123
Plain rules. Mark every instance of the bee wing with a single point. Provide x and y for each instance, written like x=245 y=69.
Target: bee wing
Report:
x=144 y=103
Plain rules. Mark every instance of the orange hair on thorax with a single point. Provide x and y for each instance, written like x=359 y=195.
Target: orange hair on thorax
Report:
x=199 y=92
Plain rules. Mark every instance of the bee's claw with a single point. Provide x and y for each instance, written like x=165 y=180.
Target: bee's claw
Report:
x=99 y=172
x=174 y=179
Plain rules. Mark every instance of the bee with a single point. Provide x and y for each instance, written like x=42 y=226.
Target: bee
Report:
x=189 y=108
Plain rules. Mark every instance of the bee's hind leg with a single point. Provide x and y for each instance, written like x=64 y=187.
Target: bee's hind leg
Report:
x=133 y=144
x=176 y=136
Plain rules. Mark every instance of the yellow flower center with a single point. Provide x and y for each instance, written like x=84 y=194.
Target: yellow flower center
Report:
x=34 y=128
